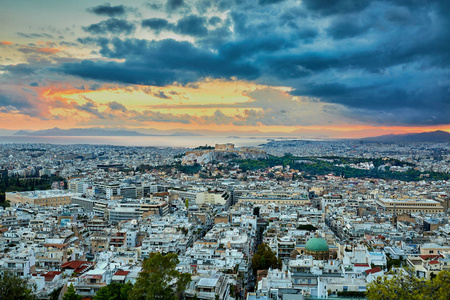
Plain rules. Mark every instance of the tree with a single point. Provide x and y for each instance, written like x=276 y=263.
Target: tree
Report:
x=159 y=279
x=71 y=294
x=114 y=291
x=14 y=287
x=440 y=286
x=265 y=258
x=308 y=227
x=55 y=294
x=405 y=286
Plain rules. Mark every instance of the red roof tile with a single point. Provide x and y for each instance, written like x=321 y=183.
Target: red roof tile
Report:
x=361 y=265
x=122 y=273
x=373 y=270
x=51 y=274
x=77 y=265
x=426 y=257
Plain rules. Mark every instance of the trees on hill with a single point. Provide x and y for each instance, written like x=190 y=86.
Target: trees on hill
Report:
x=14 y=287
x=114 y=291
x=71 y=294
x=265 y=258
x=406 y=287
x=159 y=279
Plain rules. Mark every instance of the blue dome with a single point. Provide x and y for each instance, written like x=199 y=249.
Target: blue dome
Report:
x=317 y=244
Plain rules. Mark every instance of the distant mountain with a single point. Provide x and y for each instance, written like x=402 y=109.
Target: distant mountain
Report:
x=80 y=132
x=438 y=136
x=22 y=132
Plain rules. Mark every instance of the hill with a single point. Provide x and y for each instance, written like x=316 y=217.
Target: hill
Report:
x=80 y=132
x=438 y=136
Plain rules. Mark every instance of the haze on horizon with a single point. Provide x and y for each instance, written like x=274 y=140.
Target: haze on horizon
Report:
x=341 y=68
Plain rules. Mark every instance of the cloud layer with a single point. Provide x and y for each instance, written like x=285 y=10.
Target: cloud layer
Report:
x=378 y=62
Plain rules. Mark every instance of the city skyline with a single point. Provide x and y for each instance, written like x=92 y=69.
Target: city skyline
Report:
x=337 y=69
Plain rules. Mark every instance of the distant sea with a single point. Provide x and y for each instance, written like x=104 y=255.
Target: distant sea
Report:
x=141 y=141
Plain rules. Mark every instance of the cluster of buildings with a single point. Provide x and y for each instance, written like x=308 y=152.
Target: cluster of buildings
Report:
x=330 y=235
x=37 y=160
x=222 y=152
x=424 y=156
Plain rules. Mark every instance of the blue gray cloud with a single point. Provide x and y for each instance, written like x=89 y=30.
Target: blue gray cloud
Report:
x=384 y=61
x=108 y=10
x=172 y=5
x=111 y=26
x=158 y=63
x=189 y=25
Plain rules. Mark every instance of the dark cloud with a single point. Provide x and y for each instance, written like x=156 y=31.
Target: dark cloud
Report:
x=154 y=6
x=24 y=101
x=117 y=106
x=68 y=44
x=346 y=28
x=264 y=2
x=214 y=21
x=248 y=48
x=322 y=90
x=35 y=35
x=192 y=25
x=216 y=37
x=20 y=69
x=161 y=94
x=157 y=24
x=380 y=58
x=172 y=5
x=158 y=63
x=307 y=34
x=189 y=25
x=108 y=10
x=90 y=107
x=111 y=26
x=329 y=7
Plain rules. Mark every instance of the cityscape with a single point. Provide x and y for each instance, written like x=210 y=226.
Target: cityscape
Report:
x=87 y=216
x=224 y=150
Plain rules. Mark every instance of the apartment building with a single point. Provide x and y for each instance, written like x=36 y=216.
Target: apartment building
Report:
x=46 y=198
x=410 y=206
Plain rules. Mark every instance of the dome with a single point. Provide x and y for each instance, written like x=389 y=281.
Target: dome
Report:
x=316 y=244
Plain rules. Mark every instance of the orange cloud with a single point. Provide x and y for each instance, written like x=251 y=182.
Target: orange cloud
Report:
x=48 y=50
x=78 y=103
x=6 y=43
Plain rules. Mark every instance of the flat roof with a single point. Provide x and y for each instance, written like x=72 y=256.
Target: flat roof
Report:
x=46 y=193
x=389 y=200
x=208 y=282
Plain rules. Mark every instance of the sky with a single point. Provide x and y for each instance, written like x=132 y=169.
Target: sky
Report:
x=336 y=68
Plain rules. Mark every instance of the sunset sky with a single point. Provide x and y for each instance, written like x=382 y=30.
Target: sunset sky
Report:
x=337 y=68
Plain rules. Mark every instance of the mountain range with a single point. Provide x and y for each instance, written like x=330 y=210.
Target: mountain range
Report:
x=97 y=132
x=438 y=136
x=435 y=136
x=79 y=132
x=94 y=132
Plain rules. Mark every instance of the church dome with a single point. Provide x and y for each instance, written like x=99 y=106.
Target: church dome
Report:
x=316 y=244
